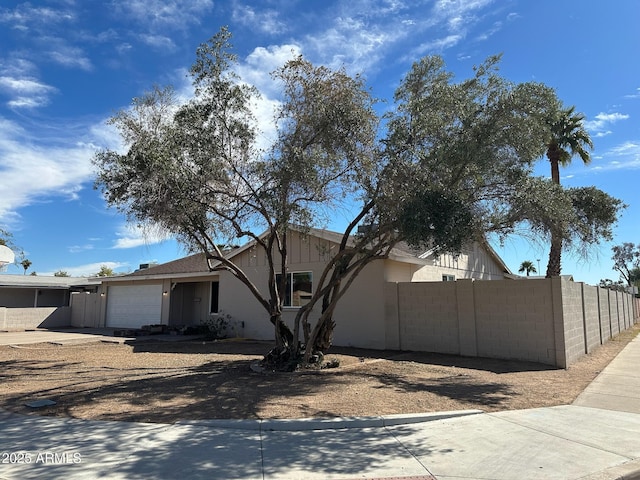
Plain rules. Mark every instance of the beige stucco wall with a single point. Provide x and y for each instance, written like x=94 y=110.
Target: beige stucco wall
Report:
x=473 y=262
x=359 y=315
x=85 y=310
x=201 y=302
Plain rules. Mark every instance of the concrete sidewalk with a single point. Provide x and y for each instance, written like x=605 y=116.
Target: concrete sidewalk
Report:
x=68 y=336
x=566 y=442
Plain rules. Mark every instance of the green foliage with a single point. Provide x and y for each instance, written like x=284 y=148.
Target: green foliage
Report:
x=6 y=238
x=105 y=271
x=219 y=325
x=596 y=213
x=580 y=217
x=61 y=273
x=567 y=138
x=611 y=285
x=626 y=260
x=435 y=220
x=475 y=139
x=528 y=267
x=24 y=262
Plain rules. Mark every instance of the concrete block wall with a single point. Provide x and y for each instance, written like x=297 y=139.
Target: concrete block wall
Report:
x=553 y=321
x=16 y=319
x=605 y=314
x=515 y=320
x=591 y=310
x=428 y=318
x=614 y=313
x=571 y=322
x=624 y=309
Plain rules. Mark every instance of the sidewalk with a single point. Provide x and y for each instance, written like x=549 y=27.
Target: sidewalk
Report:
x=566 y=442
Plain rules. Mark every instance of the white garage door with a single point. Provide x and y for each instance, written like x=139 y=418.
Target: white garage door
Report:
x=134 y=305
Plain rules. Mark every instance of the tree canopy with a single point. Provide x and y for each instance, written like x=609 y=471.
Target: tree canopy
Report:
x=527 y=267
x=105 y=271
x=626 y=260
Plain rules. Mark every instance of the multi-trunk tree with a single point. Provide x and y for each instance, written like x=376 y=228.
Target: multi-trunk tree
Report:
x=194 y=169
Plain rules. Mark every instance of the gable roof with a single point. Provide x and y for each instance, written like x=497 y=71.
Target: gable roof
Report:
x=43 y=282
x=196 y=264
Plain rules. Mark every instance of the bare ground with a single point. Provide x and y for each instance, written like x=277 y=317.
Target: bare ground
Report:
x=164 y=382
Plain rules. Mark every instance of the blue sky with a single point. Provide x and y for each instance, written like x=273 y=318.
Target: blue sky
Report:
x=67 y=65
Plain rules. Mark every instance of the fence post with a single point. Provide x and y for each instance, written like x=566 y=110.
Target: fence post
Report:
x=466 y=307
x=393 y=334
x=558 y=321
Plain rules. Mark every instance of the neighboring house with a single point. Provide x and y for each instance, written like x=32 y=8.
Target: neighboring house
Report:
x=185 y=292
x=27 y=291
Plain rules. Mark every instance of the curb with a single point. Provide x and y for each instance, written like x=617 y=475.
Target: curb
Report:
x=626 y=471
x=305 y=424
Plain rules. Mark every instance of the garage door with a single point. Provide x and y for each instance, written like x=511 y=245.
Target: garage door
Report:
x=134 y=305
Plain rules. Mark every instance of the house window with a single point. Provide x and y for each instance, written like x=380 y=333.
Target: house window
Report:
x=448 y=278
x=297 y=289
x=215 y=290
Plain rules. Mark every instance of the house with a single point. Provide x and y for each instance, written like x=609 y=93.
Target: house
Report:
x=31 y=291
x=185 y=292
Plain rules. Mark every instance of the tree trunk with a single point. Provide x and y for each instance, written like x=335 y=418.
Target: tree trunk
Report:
x=325 y=335
x=284 y=337
x=553 y=154
x=553 y=267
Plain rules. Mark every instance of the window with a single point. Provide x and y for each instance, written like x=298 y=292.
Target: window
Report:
x=448 y=278
x=215 y=290
x=298 y=288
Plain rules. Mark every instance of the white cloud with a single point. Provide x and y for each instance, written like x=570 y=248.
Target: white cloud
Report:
x=438 y=44
x=603 y=120
x=30 y=170
x=20 y=84
x=159 y=42
x=163 y=14
x=131 y=236
x=352 y=41
x=80 y=248
x=71 y=57
x=88 y=269
x=24 y=85
x=603 y=134
x=625 y=156
x=258 y=65
x=24 y=16
x=266 y=20
x=634 y=95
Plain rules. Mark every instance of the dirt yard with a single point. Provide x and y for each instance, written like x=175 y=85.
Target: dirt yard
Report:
x=154 y=381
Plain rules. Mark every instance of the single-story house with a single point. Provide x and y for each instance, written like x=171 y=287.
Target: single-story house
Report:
x=33 y=291
x=185 y=292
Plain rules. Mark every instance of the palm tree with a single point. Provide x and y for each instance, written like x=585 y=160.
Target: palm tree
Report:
x=527 y=266
x=26 y=263
x=568 y=138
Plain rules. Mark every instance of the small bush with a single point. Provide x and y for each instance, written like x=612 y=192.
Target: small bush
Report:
x=219 y=325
